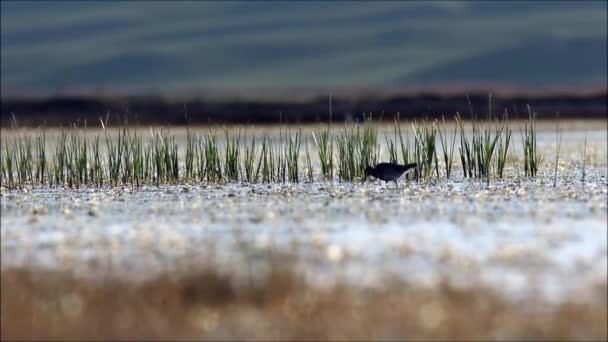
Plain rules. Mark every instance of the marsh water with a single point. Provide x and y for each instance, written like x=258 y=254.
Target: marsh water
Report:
x=518 y=235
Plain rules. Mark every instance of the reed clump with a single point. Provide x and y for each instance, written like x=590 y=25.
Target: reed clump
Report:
x=73 y=158
x=357 y=149
x=325 y=147
x=484 y=153
x=425 y=134
x=447 y=149
x=532 y=158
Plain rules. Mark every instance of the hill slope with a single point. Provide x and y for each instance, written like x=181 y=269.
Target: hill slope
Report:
x=164 y=45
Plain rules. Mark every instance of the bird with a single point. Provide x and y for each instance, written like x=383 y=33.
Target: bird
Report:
x=389 y=172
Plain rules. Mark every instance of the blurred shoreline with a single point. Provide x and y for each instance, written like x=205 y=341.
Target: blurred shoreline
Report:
x=32 y=111
x=206 y=304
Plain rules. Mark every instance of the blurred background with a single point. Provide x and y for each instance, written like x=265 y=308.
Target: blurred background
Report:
x=222 y=60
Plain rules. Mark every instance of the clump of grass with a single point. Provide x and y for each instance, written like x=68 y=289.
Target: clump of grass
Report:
x=23 y=158
x=164 y=158
x=114 y=157
x=231 y=154
x=465 y=150
x=558 y=144
x=96 y=169
x=198 y=155
x=309 y=168
x=149 y=162
x=213 y=167
x=76 y=158
x=252 y=170
x=267 y=160
x=448 y=150
x=138 y=160
x=199 y=158
x=325 y=146
x=368 y=146
x=8 y=158
x=189 y=169
x=292 y=152
x=484 y=145
x=171 y=160
x=357 y=149
x=532 y=158
x=407 y=155
x=487 y=146
x=60 y=159
x=41 y=163
x=347 y=155
x=127 y=173
x=425 y=149
x=128 y=165
x=503 y=147
x=392 y=146
x=281 y=160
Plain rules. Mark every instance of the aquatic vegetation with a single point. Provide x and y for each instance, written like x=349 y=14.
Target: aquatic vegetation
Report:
x=465 y=150
x=425 y=149
x=325 y=147
x=484 y=144
x=447 y=149
x=367 y=145
x=502 y=149
x=165 y=161
x=231 y=154
x=8 y=155
x=347 y=154
x=292 y=153
x=407 y=155
x=213 y=166
x=41 y=164
x=558 y=145
x=119 y=157
x=532 y=158
x=252 y=169
x=309 y=167
x=205 y=257
x=190 y=154
x=266 y=160
x=484 y=155
x=392 y=146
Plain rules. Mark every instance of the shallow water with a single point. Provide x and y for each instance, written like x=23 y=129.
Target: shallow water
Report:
x=517 y=236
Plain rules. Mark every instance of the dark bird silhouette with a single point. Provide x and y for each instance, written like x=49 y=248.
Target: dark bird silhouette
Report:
x=389 y=172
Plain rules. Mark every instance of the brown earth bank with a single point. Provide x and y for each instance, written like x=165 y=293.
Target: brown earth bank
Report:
x=148 y=110
x=204 y=304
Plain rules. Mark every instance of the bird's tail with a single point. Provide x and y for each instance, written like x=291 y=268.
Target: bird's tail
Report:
x=408 y=167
